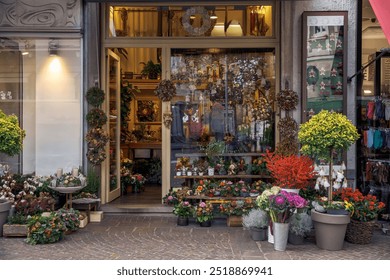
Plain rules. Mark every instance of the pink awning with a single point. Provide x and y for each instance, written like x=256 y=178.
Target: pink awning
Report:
x=382 y=11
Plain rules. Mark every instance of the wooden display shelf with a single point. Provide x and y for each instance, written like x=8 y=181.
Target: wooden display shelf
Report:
x=238 y=176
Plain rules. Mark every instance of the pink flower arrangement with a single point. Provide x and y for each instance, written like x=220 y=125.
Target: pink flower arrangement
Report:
x=283 y=205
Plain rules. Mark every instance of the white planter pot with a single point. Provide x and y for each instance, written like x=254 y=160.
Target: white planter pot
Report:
x=210 y=171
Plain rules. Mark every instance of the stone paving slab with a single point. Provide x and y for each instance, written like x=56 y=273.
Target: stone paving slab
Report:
x=150 y=237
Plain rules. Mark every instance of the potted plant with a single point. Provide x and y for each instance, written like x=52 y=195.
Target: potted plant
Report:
x=364 y=211
x=137 y=182
x=300 y=226
x=204 y=213
x=235 y=209
x=183 y=211
x=321 y=137
x=45 y=229
x=70 y=218
x=11 y=143
x=290 y=172
x=257 y=221
x=214 y=149
x=151 y=70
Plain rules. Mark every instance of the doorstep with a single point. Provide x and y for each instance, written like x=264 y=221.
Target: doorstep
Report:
x=126 y=208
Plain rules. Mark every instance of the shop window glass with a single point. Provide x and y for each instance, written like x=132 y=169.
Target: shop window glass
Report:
x=223 y=95
x=191 y=21
x=41 y=82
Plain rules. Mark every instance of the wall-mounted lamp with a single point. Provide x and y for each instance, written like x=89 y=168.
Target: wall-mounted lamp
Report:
x=23 y=47
x=53 y=48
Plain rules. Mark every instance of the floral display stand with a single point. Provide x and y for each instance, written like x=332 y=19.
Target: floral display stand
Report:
x=68 y=191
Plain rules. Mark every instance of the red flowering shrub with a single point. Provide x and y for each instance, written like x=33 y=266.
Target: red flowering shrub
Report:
x=292 y=171
x=363 y=208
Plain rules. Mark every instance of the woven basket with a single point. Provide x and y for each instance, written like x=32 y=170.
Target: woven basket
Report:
x=360 y=232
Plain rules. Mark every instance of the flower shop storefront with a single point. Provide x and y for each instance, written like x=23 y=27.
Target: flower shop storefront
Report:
x=203 y=92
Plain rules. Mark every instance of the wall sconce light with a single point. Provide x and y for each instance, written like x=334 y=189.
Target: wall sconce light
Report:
x=53 y=48
x=23 y=48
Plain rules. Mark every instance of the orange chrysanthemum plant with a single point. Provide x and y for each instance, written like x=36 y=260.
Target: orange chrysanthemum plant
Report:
x=292 y=172
x=363 y=208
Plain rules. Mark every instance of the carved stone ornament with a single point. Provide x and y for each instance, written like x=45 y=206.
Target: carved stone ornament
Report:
x=40 y=14
x=167 y=119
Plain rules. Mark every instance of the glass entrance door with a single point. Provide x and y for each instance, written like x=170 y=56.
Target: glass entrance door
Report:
x=113 y=189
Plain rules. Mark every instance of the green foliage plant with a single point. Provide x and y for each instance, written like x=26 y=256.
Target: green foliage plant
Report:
x=11 y=135
x=45 y=229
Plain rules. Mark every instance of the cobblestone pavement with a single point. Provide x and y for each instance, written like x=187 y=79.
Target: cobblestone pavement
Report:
x=121 y=237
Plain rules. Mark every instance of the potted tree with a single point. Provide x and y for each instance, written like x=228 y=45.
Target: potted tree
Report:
x=11 y=143
x=325 y=134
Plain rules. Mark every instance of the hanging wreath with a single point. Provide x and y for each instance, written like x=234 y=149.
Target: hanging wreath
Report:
x=287 y=147
x=96 y=138
x=287 y=100
x=288 y=128
x=206 y=21
x=95 y=96
x=165 y=90
x=96 y=118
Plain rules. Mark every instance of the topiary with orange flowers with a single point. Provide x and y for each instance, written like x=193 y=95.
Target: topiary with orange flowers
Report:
x=363 y=208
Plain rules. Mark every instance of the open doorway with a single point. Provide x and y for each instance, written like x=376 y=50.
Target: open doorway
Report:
x=139 y=114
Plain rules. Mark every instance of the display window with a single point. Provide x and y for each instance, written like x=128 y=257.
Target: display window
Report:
x=191 y=21
x=40 y=82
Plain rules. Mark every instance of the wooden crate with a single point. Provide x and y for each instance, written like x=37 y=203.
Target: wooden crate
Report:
x=96 y=216
x=14 y=230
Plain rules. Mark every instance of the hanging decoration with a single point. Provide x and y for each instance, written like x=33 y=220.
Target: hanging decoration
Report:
x=288 y=128
x=165 y=90
x=167 y=119
x=205 y=21
x=96 y=137
x=261 y=110
x=287 y=100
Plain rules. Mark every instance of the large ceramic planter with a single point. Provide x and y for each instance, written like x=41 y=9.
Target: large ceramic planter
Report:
x=5 y=206
x=330 y=230
x=280 y=236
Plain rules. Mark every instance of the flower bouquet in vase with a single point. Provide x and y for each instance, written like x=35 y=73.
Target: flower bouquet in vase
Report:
x=281 y=207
